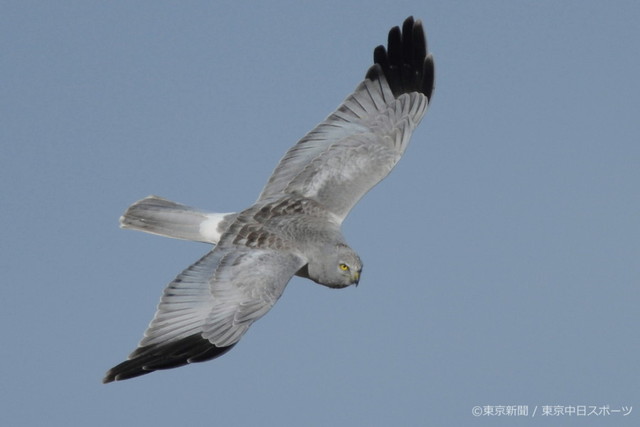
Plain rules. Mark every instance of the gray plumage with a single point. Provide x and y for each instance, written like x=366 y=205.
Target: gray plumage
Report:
x=294 y=226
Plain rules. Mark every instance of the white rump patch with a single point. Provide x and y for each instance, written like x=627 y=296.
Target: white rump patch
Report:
x=209 y=227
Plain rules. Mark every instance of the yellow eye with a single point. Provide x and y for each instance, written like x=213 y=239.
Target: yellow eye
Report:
x=344 y=267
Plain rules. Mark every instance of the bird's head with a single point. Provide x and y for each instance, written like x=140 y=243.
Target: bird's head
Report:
x=337 y=266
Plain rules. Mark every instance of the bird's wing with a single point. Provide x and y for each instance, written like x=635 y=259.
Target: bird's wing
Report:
x=358 y=145
x=208 y=307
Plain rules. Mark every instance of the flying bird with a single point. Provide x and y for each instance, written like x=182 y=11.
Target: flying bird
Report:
x=294 y=228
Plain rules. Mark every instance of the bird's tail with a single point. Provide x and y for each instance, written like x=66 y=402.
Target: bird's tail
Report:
x=163 y=217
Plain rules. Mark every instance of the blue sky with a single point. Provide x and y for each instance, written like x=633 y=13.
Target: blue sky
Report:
x=501 y=255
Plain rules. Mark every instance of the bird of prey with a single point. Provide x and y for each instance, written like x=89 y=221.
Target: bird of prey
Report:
x=294 y=226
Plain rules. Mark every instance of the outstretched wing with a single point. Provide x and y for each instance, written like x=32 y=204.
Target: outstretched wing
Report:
x=358 y=145
x=205 y=311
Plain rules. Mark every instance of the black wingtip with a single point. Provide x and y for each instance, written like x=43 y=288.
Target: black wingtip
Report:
x=144 y=360
x=405 y=62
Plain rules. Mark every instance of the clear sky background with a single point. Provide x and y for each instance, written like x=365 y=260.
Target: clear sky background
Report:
x=501 y=255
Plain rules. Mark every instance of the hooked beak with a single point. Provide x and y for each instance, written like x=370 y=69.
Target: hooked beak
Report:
x=356 y=278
